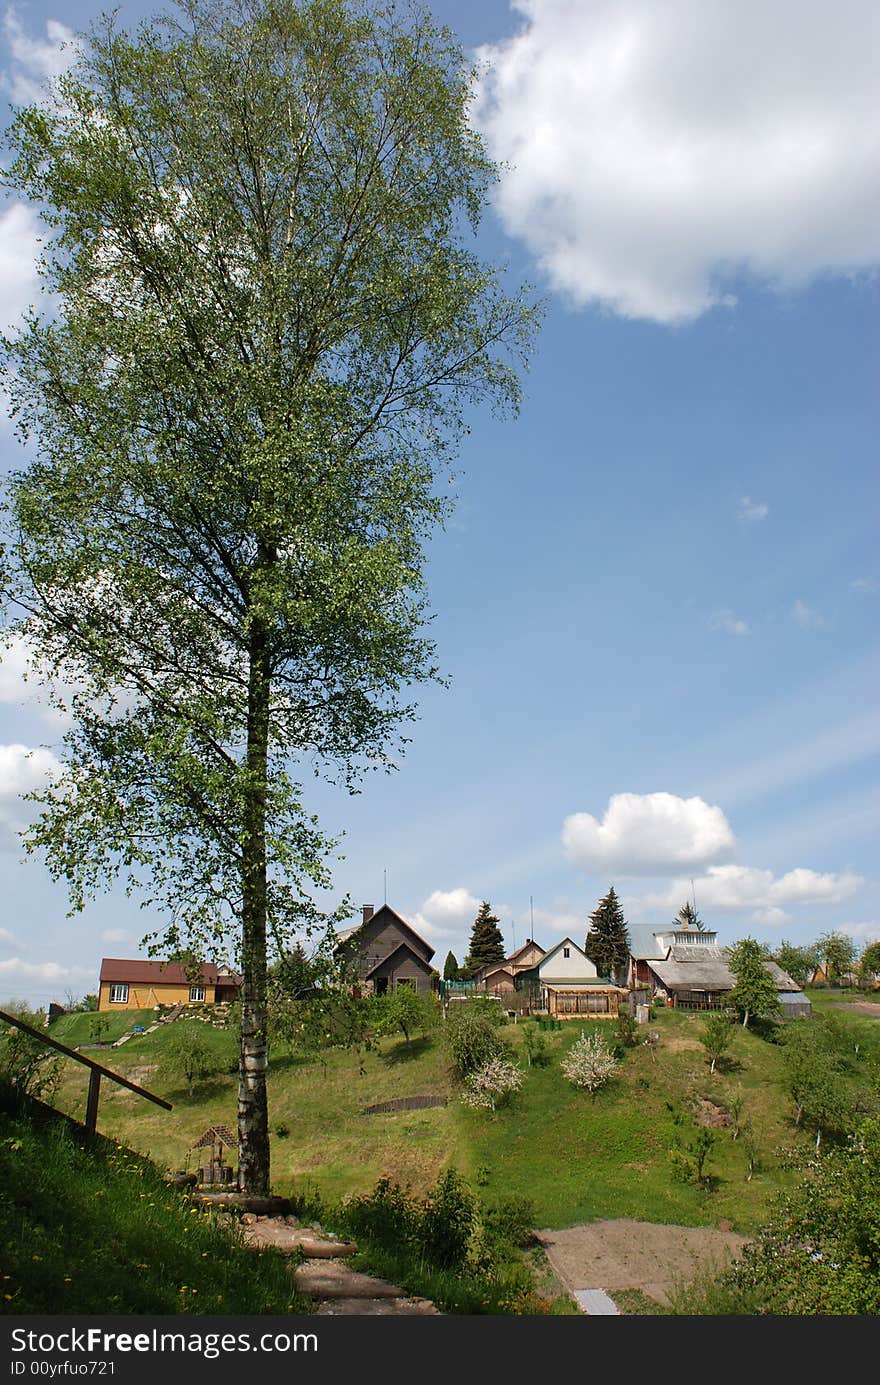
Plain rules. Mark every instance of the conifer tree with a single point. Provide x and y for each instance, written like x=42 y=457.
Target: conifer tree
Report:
x=487 y=942
x=688 y=918
x=607 y=943
x=450 y=967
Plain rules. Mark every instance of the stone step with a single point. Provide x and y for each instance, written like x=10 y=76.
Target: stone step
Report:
x=330 y=1279
x=377 y=1307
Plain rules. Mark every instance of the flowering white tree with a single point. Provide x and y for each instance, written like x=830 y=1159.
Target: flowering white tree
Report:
x=491 y=1083
x=589 y=1063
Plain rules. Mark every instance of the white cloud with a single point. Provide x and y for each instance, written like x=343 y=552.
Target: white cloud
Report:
x=773 y=916
x=8 y=939
x=654 y=149
x=565 y=923
x=751 y=510
x=19 y=284
x=862 y=932
x=16 y=975
x=113 y=935
x=806 y=617
x=731 y=888
x=648 y=834
x=22 y=770
x=729 y=623
x=864 y=584
x=451 y=904
x=35 y=61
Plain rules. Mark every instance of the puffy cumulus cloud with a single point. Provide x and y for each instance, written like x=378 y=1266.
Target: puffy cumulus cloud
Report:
x=862 y=932
x=751 y=510
x=35 y=61
x=648 y=834
x=17 y=975
x=734 y=888
x=432 y=931
x=22 y=770
x=729 y=623
x=654 y=149
x=454 y=904
x=563 y=922
x=773 y=916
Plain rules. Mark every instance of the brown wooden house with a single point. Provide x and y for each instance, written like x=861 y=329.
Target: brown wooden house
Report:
x=383 y=952
x=499 y=978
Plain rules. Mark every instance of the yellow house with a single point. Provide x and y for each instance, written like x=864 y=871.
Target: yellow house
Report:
x=134 y=984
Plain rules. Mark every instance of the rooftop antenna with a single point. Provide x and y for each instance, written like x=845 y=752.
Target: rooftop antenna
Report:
x=532 y=916
x=513 y=929
x=384 y=885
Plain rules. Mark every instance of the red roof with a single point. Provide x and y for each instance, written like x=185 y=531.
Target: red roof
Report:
x=137 y=971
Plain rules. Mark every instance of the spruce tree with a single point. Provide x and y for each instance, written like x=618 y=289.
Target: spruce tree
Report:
x=607 y=944
x=688 y=918
x=487 y=943
x=450 y=967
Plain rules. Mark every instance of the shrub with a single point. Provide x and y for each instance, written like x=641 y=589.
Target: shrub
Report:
x=689 y=1161
x=30 y=1067
x=626 y=1031
x=471 y=1038
x=535 y=1042
x=511 y=1219
x=589 y=1063
x=447 y=1222
x=492 y=1083
x=387 y=1216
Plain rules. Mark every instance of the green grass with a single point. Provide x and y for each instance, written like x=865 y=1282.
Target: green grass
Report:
x=96 y=1230
x=577 y=1159
x=74 y=1029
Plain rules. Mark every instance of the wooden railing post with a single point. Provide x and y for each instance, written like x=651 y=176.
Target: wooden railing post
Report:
x=92 y=1103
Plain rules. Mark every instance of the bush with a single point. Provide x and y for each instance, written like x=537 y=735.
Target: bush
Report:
x=511 y=1219
x=626 y=1031
x=30 y=1067
x=535 y=1042
x=589 y=1063
x=471 y=1038
x=447 y=1222
x=387 y=1216
x=488 y=1086
x=689 y=1161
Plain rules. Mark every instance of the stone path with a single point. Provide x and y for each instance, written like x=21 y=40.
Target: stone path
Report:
x=325 y=1278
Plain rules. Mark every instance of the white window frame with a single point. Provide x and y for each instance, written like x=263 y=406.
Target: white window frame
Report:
x=118 y=993
x=196 y=993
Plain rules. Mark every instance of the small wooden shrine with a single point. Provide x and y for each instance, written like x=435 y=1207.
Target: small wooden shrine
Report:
x=216 y=1138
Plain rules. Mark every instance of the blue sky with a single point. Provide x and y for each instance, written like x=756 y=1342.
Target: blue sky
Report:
x=658 y=597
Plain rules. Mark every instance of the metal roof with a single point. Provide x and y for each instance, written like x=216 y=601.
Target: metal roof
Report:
x=643 y=944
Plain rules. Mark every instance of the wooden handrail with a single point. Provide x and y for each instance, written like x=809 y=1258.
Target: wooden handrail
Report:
x=97 y=1072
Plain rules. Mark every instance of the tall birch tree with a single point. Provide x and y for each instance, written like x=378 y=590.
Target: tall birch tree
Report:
x=268 y=320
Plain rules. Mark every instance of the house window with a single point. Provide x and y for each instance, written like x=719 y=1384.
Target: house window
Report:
x=196 y=992
x=566 y=952
x=119 y=993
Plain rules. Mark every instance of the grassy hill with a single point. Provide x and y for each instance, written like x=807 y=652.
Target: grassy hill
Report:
x=98 y=1231
x=575 y=1158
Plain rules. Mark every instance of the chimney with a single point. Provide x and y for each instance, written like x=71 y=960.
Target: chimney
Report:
x=367 y=911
